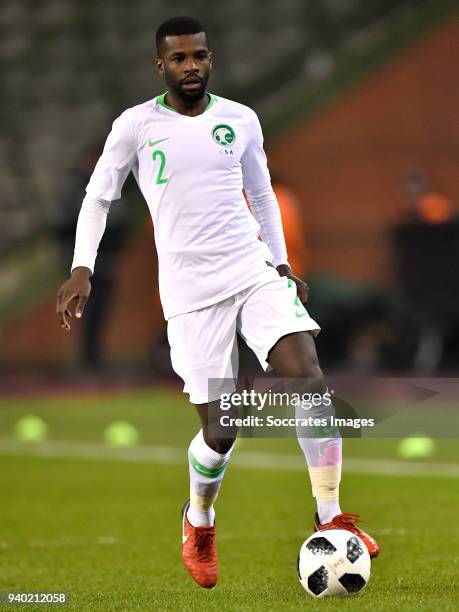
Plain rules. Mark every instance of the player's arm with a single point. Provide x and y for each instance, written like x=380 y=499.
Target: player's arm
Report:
x=104 y=186
x=264 y=204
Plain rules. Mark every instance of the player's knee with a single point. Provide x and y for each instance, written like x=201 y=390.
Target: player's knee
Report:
x=310 y=371
x=314 y=373
x=307 y=378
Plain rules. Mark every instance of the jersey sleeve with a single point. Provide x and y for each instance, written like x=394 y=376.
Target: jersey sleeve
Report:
x=255 y=171
x=116 y=161
x=260 y=194
x=90 y=229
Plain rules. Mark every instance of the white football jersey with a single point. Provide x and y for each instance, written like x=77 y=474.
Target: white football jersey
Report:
x=191 y=171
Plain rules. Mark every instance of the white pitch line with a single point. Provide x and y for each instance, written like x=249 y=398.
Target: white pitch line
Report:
x=170 y=455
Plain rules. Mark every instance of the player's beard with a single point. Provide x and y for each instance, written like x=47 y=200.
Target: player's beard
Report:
x=189 y=96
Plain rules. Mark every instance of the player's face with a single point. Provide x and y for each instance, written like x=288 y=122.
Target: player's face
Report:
x=185 y=65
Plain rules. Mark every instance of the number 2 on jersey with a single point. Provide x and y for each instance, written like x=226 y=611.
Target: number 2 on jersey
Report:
x=159 y=178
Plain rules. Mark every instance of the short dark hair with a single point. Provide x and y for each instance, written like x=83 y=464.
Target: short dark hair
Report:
x=178 y=26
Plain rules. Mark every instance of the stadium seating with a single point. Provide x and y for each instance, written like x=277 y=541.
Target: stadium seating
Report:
x=68 y=68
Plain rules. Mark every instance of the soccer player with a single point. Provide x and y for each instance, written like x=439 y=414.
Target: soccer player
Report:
x=192 y=153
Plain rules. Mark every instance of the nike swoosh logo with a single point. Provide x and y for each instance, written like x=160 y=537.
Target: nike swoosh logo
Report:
x=152 y=143
x=300 y=314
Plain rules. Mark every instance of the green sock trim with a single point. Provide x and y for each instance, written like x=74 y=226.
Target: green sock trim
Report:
x=205 y=471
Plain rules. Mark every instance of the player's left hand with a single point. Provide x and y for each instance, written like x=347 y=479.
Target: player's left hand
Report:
x=302 y=288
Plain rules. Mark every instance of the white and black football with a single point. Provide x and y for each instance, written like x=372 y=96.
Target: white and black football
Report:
x=333 y=562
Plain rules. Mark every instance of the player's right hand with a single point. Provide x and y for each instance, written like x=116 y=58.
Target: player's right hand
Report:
x=77 y=287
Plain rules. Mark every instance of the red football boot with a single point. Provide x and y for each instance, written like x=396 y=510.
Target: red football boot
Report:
x=348 y=521
x=199 y=551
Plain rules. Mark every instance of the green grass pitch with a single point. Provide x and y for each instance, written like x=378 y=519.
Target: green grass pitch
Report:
x=107 y=531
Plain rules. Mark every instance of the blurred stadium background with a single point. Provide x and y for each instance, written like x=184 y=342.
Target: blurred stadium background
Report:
x=358 y=101
x=353 y=96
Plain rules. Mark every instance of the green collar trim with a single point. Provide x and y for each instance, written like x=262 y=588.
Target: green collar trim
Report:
x=212 y=101
x=161 y=100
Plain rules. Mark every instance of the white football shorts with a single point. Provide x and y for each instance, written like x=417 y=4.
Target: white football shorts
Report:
x=204 y=342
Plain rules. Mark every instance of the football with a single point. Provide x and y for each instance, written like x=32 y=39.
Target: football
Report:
x=333 y=562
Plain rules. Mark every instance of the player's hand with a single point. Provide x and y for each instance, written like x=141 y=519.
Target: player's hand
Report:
x=302 y=288
x=77 y=287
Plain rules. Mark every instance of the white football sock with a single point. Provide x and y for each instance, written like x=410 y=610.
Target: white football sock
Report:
x=324 y=457
x=207 y=468
x=327 y=510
